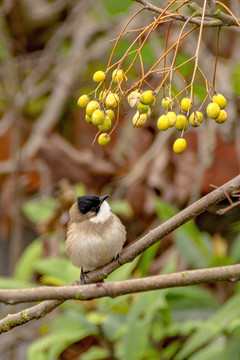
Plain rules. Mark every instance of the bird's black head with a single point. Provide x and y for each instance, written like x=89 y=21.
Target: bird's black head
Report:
x=90 y=203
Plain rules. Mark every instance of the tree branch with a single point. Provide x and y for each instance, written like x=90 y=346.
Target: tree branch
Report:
x=215 y=16
x=113 y=289
x=130 y=253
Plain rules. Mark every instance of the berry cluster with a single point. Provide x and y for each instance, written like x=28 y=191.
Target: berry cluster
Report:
x=101 y=110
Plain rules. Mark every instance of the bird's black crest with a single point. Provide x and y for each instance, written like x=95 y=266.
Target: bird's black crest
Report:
x=88 y=203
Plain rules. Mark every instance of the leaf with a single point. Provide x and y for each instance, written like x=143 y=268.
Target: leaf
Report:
x=235 y=250
x=116 y=7
x=59 y=268
x=191 y=303
x=95 y=353
x=121 y=207
x=146 y=258
x=199 y=91
x=123 y=272
x=187 y=68
x=11 y=283
x=65 y=330
x=80 y=189
x=213 y=327
x=39 y=210
x=148 y=56
x=212 y=351
x=26 y=264
x=194 y=246
x=136 y=340
x=96 y=318
x=231 y=350
x=236 y=79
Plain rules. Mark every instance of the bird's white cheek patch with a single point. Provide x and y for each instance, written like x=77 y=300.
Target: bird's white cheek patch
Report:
x=103 y=214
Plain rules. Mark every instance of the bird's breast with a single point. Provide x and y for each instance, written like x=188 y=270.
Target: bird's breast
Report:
x=90 y=245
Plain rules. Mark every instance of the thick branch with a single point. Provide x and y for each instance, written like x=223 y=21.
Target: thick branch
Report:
x=113 y=289
x=138 y=247
x=129 y=253
x=215 y=16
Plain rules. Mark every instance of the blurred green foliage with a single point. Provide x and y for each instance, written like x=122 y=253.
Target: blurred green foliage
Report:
x=178 y=323
x=236 y=79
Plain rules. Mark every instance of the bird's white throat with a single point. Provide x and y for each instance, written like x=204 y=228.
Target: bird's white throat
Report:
x=103 y=214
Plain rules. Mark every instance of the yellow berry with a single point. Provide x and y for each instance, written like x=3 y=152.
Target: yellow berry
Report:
x=83 y=101
x=186 y=104
x=163 y=122
x=149 y=112
x=97 y=117
x=91 y=107
x=148 y=97
x=110 y=114
x=118 y=76
x=112 y=100
x=166 y=102
x=102 y=95
x=99 y=76
x=222 y=117
x=172 y=118
x=106 y=124
x=104 y=139
x=179 y=146
x=220 y=100
x=88 y=119
x=134 y=98
x=142 y=108
x=139 y=120
x=181 y=123
x=213 y=110
x=196 y=118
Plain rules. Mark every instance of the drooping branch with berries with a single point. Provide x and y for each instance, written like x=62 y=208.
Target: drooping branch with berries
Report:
x=179 y=107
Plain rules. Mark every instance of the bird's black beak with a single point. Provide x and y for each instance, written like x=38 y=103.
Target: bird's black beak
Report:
x=102 y=198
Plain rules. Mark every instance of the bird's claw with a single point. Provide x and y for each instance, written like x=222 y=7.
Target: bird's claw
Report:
x=82 y=276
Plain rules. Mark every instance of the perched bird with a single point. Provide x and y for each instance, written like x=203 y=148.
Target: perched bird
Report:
x=95 y=236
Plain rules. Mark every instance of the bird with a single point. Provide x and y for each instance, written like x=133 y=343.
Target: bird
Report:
x=95 y=235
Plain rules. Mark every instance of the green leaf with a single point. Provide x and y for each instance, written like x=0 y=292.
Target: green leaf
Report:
x=212 y=351
x=236 y=79
x=96 y=318
x=147 y=258
x=136 y=340
x=235 y=250
x=199 y=91
x=194 y=246
x=11 y=283
x=80 y=189
x=60 y=268
x=120 y=50
x=191 y=245
x=25 y=266
x=116 y=7
x=187 y=68
x=39 y=210
x=148 y=55
x=115 y=326
x=65 y=329
x=213 y=327
x=123 y=272
x=95 y=353
x=121 y=207
x=191 y=303
x=231 y=350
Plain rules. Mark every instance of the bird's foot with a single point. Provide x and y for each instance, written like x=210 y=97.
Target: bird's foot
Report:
x=82 y=276
x=118 y=258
